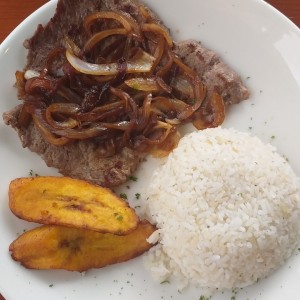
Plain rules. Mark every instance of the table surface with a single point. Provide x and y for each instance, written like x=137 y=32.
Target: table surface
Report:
x=13 y=12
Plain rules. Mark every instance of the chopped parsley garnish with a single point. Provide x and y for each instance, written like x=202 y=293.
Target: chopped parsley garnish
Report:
x=123 y=196
x=133 y=178
x=118 y=217
x=203 y=298
x=32 y=173
x=137 y=196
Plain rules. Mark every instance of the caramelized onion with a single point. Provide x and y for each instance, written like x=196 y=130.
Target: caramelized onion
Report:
x=130 y=24
x=93 y=131
x=125 y=88
x=42 y=126
x=182 y=85
x=205 y=119
x=143 y=84
x=158 y=29
x=158 y=53
x=40 y=85
x=102 y=112
x=138 y=64
x=68 y=109
x=71 y=46
x=98 y=37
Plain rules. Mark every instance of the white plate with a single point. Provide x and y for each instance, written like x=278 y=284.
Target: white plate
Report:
x=252 y=37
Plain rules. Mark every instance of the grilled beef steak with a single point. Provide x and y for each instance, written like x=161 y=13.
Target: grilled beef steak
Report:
x=82 y=159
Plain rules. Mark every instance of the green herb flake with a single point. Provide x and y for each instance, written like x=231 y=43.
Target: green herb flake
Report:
x=203 y=298
x=165 y=281
x=273 y=137
x=33 y=174
x=123 y=196
x=51 y=285
x=137 y=196
x=119 y=218
x=232 y=298
x=133 y=178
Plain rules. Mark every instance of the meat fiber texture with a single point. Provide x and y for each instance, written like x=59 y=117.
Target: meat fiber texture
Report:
x=83 y=159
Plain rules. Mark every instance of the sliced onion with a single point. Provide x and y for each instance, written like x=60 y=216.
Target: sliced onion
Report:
x=40 y=123
x=38 y=84
x=216 y=118
x=145 y=12
x=167 y=67
x=167 y=128
x=164 y=148
x=158 y=53
x=143 y=84
x=138 y=64
x=71 y=46
x=169 y=106
x=122 y=125
x=83 y=133
x=125 y=19
x=98 y=37
x=101 y=112
x=181 y=84
x=128 y=101
x=200 y=91
x=69 y=95
x=186 y=69
x=144 y=114
x=69 y=109
x=165 y=105
x=148 y=84
x=158 y=29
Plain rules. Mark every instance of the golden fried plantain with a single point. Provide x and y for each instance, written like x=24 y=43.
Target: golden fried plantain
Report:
x=73 y=249
x=70 y=202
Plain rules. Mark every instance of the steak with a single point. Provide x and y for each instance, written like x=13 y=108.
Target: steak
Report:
x=82 y=159
x=216 y=75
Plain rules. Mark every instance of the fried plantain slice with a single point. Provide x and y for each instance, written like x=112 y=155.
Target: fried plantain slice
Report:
x=70 y=202
x=73 y=249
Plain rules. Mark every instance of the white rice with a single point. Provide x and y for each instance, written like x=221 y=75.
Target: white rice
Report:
x=227 y=208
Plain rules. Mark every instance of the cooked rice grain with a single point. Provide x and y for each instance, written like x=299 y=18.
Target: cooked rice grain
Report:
x=228 y=210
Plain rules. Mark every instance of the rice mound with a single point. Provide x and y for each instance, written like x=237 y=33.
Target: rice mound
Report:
x=227 y=209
